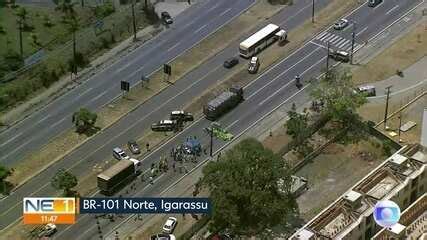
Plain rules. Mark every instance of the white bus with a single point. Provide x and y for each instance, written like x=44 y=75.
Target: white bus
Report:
x=259 y=40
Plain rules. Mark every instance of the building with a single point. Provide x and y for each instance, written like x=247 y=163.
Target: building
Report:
x=402 y=178
x=412 y=223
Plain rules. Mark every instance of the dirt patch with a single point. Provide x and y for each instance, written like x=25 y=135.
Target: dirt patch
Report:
x=334 y=171
x=400 y=55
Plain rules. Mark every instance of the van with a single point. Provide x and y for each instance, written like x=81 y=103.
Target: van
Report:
x=369 y=91
x=339 y=55
x=119 y=154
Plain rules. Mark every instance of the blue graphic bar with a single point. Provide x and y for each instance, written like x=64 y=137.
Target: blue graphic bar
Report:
x=145 y=205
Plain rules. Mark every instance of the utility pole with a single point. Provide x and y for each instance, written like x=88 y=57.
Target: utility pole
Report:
x=21 y=48
x=400 y=125
x=312 y=13
x=353 y=40
x=133 y=20
x=386 y=107
x=211 y=144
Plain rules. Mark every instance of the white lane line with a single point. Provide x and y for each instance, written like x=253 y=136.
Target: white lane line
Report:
x=174 y=46
x=335 y=39
x=200 y=28
x=321 y=35
x=328 y=39
x=274 y=79
x=361 y=31
x=226 y=11
x=63 y=119
x=287 y=84
x=41 y=120
x=11 y=139
x=341 y=45
x=232 y=124
x=100 y=95
x=391 y=10
x=83 y=93
x=338 y=44
x=319 y=45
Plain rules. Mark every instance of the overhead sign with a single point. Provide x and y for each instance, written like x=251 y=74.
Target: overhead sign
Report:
x=124 y=86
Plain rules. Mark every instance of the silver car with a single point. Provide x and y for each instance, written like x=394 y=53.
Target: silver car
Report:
x=341 y=24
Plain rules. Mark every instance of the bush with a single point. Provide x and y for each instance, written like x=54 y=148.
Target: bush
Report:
x=151 y=14
x=47 y=77
x=13 y=60
x=104 y=10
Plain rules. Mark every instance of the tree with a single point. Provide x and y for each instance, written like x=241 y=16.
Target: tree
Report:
x=66 y=7
x=21 y=13
x=4 y=173
x=298 y=128
x=65 y=181
x=84 y=120
x=35 y=40
x=73 y=25
x=336 y=91
x=245 y=192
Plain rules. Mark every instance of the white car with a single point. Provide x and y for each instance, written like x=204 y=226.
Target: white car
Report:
x=341 y=24
x=170 y=225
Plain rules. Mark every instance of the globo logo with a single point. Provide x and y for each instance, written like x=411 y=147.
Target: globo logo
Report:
x=386 y=213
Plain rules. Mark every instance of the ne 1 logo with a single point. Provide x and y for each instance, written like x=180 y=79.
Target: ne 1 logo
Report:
x=49 y=210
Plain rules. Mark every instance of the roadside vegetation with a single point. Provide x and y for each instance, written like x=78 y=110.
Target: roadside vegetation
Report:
x=4 y=185
x=245 y=191
x=84 y=121
x=66 y=38
x=65 y=181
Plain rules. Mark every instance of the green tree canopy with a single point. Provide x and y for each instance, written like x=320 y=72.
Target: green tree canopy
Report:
x=64 y=180
x=298 y=128
x=337 y=92
x=84 y=120
x=244 y=190
x=4 y=173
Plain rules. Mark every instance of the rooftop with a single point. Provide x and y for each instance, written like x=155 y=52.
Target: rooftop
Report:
x=382 y=183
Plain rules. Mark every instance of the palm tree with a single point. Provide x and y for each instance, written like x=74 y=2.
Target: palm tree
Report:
x=66 y=7
x=73 y=25
x=22 y=14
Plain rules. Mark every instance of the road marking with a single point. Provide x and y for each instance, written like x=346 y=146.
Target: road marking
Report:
x=99 y=95
x=361 y=31
x=345 y=41
x=200 y=28
x=83 y=93
x=232 y=124
x=319 y=45
x=274 y=79
x=391 y=10
x=280 y=89
x=321 y=35
x=11 y=139
x=226 y=11
x=41 y=120
x=174 y=46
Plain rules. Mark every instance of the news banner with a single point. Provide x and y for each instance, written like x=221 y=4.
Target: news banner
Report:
x=37 y=210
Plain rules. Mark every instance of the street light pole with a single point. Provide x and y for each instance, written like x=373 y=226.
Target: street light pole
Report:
x=327 y=58
x=211 y=145
x=312 y=13
x=400 y=125
x=353 y=40
x=386 y=107
x=134 y=21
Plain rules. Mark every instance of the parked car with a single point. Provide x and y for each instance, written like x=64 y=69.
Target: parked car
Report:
x=119 y=154
x=339 y=55
x=164 y=126
x=253 y=65
x=134 y=147
x=181 y=116
x=341 y=24
x=374 y=3
x=163 y=236
x=166 y=17
x=231 y=62
x=170 y=225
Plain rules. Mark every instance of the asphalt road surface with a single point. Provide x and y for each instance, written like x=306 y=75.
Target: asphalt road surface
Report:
x=277 y=84
x=97 y=149
x=37 y=129
x=273 y=88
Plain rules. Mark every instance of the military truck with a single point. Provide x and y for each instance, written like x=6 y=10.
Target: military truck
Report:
x=117 y=175
x=223 y=103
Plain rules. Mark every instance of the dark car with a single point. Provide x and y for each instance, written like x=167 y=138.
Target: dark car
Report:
x=181 y=116
x=134 y=147
x=231 y=62
x=166 y=17
x=339 y=55
x=164 y=126
x=374 y=3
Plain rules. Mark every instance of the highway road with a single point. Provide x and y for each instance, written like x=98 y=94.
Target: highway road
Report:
x=36 y=130
x=133 y=125
x=276 y=83
x=271 y=89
